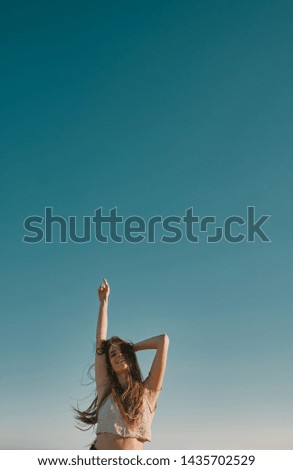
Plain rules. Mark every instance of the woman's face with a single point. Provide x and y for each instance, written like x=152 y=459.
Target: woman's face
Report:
x=117 y=359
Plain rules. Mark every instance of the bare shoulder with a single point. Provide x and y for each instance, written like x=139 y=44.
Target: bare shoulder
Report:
x=102 y=390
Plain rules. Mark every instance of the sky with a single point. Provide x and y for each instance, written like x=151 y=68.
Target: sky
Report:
x=149 y=107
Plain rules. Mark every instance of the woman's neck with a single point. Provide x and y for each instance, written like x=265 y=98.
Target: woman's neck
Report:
x=123 y=379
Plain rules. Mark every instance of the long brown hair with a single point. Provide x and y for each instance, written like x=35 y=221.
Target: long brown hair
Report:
x=129 y=400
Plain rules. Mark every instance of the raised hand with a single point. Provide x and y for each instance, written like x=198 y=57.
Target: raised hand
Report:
x=104 y=291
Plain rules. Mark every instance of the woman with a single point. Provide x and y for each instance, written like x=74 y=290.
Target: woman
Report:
x=125 y=404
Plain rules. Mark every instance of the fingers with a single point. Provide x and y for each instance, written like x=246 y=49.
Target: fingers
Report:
x=104 y=286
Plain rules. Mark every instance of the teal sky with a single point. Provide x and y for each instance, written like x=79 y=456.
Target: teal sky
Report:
x=151 y=107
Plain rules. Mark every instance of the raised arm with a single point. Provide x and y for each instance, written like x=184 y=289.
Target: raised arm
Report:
x=101 y=335
x=155 y=378
x=102 y=325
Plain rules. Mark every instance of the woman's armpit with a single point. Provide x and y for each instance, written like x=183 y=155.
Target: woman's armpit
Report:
x=103 y=385
x=148 y=384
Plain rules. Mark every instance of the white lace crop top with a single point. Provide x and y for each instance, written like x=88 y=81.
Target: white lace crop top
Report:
x=110 y=420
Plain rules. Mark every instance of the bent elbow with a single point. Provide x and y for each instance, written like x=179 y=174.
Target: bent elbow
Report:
x=165 y=339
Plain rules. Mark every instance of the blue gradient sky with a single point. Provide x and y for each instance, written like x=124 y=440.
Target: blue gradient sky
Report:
x=152 y=107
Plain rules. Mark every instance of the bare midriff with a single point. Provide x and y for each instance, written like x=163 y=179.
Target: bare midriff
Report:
x=108 y=441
